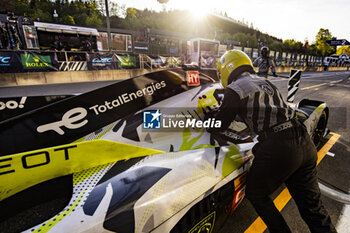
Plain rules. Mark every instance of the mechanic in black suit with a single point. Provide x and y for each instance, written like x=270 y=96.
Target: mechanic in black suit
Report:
x=284 y=152
x=264 y=63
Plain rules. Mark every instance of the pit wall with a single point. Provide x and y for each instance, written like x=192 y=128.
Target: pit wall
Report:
x=36 y=78
x=310 y=69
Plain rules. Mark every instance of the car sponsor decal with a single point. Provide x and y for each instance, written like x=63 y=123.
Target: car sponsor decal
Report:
x=127 y=188
x=72 y=118
x=205 y=225
x=239 y=190
x=13 y=106
x=192 y=78
x=20 y=171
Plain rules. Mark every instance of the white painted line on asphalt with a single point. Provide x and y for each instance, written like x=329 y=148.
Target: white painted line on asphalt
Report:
x=318 y=85
x=337 y=81
x=305 y=77
x=276 y=80
x=343 y=223
x=309 y=76
x=330 y=154
x=322 y=84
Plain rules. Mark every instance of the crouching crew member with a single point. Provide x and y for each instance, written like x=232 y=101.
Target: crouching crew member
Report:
x=284 y=153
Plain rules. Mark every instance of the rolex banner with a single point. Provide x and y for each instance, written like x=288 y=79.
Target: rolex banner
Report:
x=39 y=62
x=127 y=62
x=174 y=62
x=16 y=62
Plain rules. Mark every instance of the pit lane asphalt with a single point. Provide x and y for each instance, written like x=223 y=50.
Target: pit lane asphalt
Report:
x=330 y=87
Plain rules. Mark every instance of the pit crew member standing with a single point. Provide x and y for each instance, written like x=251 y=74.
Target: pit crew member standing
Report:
x=284 y=153
x=264 y=63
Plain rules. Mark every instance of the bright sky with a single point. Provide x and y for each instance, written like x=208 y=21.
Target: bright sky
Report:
x=286 y=19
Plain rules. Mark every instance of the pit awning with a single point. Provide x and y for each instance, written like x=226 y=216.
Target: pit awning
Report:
x=60 y=28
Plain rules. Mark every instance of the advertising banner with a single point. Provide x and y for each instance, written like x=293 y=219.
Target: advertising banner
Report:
x=174 y=62
x=10 y=62
x=35 y=61
x=127 y=62
x=158 y=61
x=164 y=62
x=101 y=61
x=16 y=62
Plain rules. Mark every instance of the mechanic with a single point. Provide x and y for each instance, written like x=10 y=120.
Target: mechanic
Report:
x=284 y=152
x=264 y=62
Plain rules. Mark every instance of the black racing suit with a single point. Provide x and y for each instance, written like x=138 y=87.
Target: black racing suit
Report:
x=284 y=153
x=263 y=64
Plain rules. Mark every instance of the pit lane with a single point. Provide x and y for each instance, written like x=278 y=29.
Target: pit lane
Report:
x=331 y=87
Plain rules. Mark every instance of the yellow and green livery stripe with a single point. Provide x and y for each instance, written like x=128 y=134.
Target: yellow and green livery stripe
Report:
x=23 y=170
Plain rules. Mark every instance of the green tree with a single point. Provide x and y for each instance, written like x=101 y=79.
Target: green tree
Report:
x=313 y=50
x=276 y=46
x=68 y=19
x=240 y=37
x=224 y=36
x=81 y=19
x=131 y=12
x=299 y=47
x=321 y=37
x=94 y=20
x=32 y=4
x=40 y=15
x=289 y=46
x=117 y=10
x=252 y=42
x=343 y=49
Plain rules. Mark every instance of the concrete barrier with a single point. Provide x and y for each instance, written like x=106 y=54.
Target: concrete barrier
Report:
x=310 y=69
x=8 y=80
x=33 y=78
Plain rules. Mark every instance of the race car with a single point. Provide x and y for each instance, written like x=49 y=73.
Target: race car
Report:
x=105 y=160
